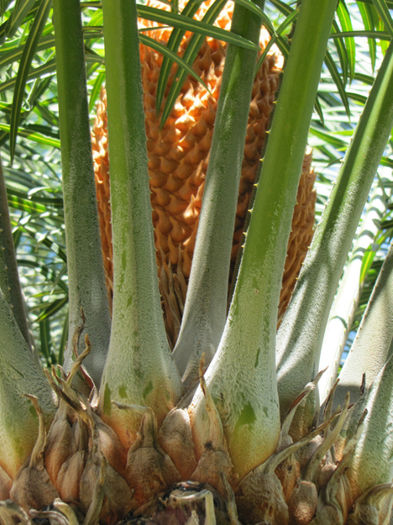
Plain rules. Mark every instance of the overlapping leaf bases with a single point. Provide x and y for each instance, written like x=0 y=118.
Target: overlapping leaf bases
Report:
x=178 y=156
x=80 y=472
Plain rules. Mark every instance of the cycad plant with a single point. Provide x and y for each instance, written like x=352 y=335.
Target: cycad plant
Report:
x=228 y=427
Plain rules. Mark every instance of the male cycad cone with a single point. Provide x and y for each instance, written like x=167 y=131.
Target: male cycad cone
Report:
x=80 y=471
x=178 y=155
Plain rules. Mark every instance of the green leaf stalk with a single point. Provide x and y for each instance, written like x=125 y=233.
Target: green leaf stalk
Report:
x=298 y=340
x=88 y=301
x=242 y=376
x=139 y=369
x=375 y=331
x=9 y=278
x=371 y=461
x=347 y=298
x=20 y=374
x=206 y=301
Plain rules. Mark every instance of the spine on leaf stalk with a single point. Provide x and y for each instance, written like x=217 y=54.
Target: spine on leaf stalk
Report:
x=245 y=389
x=139 y=368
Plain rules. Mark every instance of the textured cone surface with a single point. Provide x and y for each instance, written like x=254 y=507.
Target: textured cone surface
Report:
x=301 y=232
x=178 y=156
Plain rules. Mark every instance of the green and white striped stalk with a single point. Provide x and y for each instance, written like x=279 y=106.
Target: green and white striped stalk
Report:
x=242 y=376
x=139 y=369
x=300 y=336
x=88 y=300
x=207 y=293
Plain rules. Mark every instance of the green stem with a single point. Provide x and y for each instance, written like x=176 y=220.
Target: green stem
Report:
x=139 y=369
x=376 y=329
x=88 y=301
x=348 y=295
x=371 y=461
x=206 y=301
x=9 y=278
x=20 y=374
x=301 y=333
x=242 y=375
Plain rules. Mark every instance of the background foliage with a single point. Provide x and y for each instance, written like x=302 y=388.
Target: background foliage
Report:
x=29 y=135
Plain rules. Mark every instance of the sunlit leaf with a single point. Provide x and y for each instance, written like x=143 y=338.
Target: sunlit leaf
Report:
x=366 y=12
x=39 y=72
x=344 y=18
x=4 y=5
x=384 y=13
x=331 y=65
x=165 y=51
x=276 y=38
x=173 y=44
x=34 y=136
x=52 y=308
x=189 y=56
x=21 y=10
x=164 y=17
x=380 y=35
x=95 y=92
x=282 y=6
x=14 y=53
